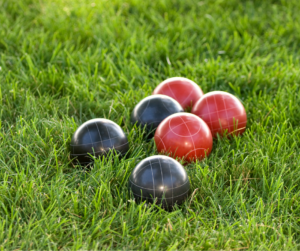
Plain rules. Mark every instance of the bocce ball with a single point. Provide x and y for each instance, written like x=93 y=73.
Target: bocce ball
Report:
x=97 y=137
x=185 y=136
x=222 y=112
x=152 y=110
x=185 y=91
x=161 y=178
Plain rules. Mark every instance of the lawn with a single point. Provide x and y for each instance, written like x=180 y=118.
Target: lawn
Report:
x=63 y=62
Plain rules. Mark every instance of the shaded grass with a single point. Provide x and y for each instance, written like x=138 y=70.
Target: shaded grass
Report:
x=64 y=62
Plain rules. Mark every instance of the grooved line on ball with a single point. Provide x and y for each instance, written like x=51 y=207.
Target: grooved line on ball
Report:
x=165 y=160
x=145 y=167
x=208 y=111
x=98 y=151
x=161 y=138
x=163 y=103
x=216 y=105
x=226 y=110
x=162 y=177
x=94 y=142
x=195 y=150
x=174 y=128
x=145 y=108
x=186 y=84
x=172 y=91
x=218 y=111
x=108 y=134
x=187 y=98
x=229 y=125
x=161 y=198
x=191 y=135
x=172 y=182
x=99 y=134
x=184 y=123
x=152 y=177
x=161 y=142
x=157 y=189
x=90 y=134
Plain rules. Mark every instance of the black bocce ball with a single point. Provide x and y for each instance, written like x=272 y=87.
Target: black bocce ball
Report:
x=152 y=110
x=97 y=137
x=162 y=178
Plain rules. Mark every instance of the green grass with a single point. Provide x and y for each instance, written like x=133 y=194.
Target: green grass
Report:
x=67 y=61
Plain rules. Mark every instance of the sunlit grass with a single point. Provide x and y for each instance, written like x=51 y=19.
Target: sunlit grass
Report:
x=65 y=62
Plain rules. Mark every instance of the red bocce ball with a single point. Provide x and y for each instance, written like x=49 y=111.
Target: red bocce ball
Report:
x=185 y=91
x=222 y=112
x=185 y=136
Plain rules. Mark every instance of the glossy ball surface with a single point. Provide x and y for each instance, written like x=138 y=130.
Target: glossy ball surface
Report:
x=185 y=91
x=97 y=137
x=160 y=177
x=185 y=136
x=152 y=110
x=222 y=112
